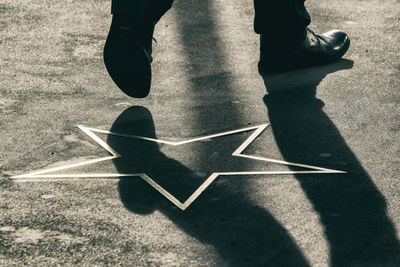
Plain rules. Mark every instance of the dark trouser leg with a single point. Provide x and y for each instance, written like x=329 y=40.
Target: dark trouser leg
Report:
x=141 y=16
x=138 y=10
x=281 y=20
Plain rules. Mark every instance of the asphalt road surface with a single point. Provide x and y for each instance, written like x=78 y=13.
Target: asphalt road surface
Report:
x=310 y=177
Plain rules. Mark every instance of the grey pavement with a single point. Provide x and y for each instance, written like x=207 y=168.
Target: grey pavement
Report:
x=343 y=116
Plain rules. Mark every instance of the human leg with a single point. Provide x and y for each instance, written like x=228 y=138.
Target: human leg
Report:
x=127 y=52
x=283 y=19
x=285 y=41
x=141 y=9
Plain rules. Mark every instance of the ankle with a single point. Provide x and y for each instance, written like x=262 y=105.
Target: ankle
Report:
x=282 y=41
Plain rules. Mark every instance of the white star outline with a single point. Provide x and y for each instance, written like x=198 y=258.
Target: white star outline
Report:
x=43 y=175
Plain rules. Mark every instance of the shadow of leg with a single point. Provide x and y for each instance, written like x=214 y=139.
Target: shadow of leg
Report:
x=242 y=233
x=351 y=208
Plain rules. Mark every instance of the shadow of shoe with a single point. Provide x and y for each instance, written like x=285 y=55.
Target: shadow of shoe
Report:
x=138 y=121
x=302 y=81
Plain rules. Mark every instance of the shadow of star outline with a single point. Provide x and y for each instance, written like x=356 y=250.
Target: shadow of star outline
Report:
x=42 y=175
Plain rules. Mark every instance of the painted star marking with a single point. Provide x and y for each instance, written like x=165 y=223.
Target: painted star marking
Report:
x=44 y=175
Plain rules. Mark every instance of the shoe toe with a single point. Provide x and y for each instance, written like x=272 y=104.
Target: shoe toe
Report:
x=338 y=39
x=316 y=49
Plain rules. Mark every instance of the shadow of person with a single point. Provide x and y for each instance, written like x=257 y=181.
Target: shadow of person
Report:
x=351 y=208
x=242 y=233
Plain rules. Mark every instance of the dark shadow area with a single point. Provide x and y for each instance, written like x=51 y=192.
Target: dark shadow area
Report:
x=351 y=208
x=242 y=233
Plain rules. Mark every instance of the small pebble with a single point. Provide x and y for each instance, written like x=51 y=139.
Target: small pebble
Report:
x=48 y=196
x=123 y=104
x=7 y=229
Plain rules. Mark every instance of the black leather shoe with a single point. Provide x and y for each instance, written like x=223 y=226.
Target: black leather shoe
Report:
x=127 y=56
x=316 y=49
